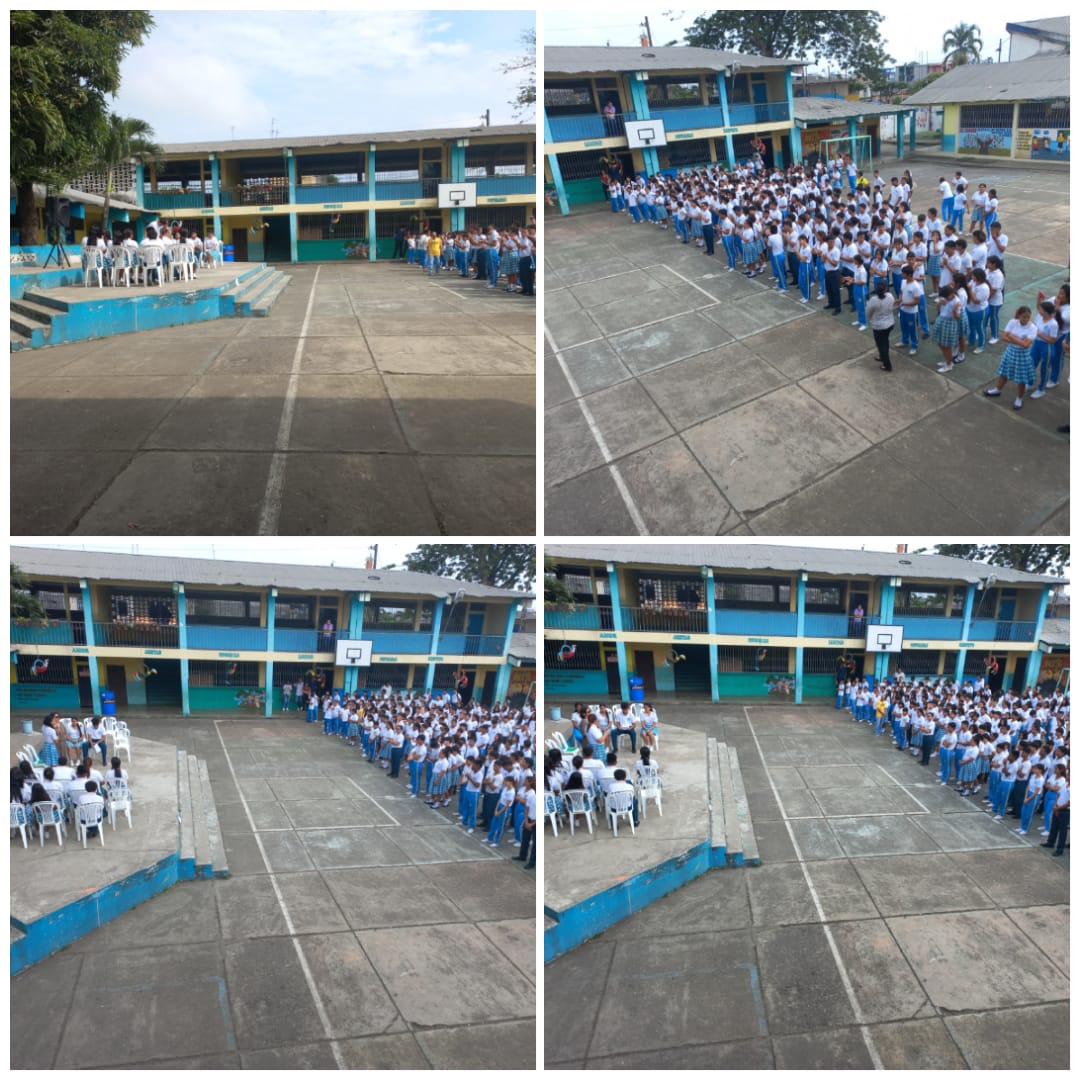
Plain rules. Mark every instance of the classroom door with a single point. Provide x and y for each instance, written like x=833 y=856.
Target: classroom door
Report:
x=644 y=666
x=474 y=628
x=239 y=243
x=86 y=694
x=1019 y=675
x=116 y=677
x=277 y=239
x=1006 y=610
x=614 y=683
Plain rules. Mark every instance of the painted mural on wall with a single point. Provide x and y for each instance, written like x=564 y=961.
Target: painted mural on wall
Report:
x=993 y=141
x=250 y=699
x=1043 y=144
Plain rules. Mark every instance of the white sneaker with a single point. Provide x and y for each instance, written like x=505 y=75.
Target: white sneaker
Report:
x=998 y=817
x=913 y=352
x=991 y=341
x=976 y=351
x=945 y=367
x=472 y=830
x=1051 y=385
x=861 y=326
x=855 y=323
x=1036 y=394
x=992 y=392
x=804 y=300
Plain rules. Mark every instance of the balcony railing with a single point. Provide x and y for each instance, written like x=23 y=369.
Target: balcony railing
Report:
x=302 y=641
x=471 y=644
x=402 y=189
x=177 y=200
x=589 y=126
x=506 y=185
x=56 y=632
x=1002 y=630
x=685 y=117
x=581 y=617
x=144 y=635
x=666 y=620
x=324 y=193
x=233 y=638
x=767 y=112
x=749 y=621
x=404 y=640
x=259 y=194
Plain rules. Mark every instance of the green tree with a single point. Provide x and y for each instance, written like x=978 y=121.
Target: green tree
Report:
x=1033 y=558
x=524 y=101
x=504 y=566
x=124 y=139
x=850 y=40
x=24 y=605
x=64 y=65
x=962 y=44
x=556 y=591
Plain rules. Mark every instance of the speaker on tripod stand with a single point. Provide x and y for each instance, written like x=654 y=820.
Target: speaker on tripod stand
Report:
x=57 y=219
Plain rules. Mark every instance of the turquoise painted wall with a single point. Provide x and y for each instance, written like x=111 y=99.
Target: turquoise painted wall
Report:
x=559 y=683
x=221 y=698
x=30 y=696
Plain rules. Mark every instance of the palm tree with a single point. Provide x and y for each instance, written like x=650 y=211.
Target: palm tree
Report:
x=962 y=44
x=125 y=138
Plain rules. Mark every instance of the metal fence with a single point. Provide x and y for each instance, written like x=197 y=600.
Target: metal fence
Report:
x=223 y=673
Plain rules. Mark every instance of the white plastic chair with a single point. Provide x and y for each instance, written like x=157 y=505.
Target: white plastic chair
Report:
x=620 y=804
x=211 y=259
x=119 y=802
x=121 y=265
x=20 y=819
x=87 y=816
x=122 y=741
x=180 y=262
x=47 y=815
x=93 y=262
x=150 y=262
x=560 y=740
x=579 y=803
x=637 y=709
x=551 y=811
x=650 y=787
x=31 y=752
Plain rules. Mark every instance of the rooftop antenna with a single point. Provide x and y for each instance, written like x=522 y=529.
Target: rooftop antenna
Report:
x=486 y=117
x=273 y=129
x=232 y=131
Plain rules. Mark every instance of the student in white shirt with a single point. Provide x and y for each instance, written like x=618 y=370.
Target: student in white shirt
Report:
x=1016 y=365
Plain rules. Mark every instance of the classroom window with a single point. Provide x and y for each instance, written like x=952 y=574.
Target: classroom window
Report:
x=379 y=675
x=569 y=98
x=223 y=673
x=1042 y=114
x=295 y=612
x=820 y=661
x=759 y=593
x=584 y=657
x=290 y=673
x=133 y=606
x=673 y=91
x=744 y=658
x=331 y=226
x=238 y=609
x=668 y=591
x=917 y=662
x=920 y=601
x=389 y=615
x=825 y=597
x=43 y=670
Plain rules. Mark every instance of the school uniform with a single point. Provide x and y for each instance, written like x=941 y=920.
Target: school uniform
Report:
x=1059 y=825
x=1032 y=799
x=503 y=811
x=1004 y=789
x=1016 y=365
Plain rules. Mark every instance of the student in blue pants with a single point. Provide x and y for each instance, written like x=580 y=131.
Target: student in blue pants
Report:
x=1053 y=784
x=1005 y=785
x=1032 y=797
x=945 y=752
x=502 y=814
x=312 y=709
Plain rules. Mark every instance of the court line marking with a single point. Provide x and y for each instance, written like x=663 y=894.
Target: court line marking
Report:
x=902 y=788
x=849 y=989
x=393 y=819
x=309 y=978
x=270 y=514
x=590 y=420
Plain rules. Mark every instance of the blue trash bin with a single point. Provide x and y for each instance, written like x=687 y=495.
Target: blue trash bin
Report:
x=637 y=688
x=108 y=703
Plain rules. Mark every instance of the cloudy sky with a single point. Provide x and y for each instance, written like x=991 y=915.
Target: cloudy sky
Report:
x=321 y=72
x=907 y=36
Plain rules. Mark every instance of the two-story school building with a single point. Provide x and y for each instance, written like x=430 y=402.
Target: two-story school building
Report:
x=731 y=620
x=714 y=106
x=204 y=634
x=324 y=197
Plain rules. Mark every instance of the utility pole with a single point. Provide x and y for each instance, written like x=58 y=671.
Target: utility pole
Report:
x=999 y=50
x=486 y=117
x=648 y=32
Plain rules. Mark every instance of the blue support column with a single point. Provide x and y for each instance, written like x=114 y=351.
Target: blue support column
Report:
x=965 y=633
x=182 y=641
x=356 y=632
x=852 y=131
x=371 y=198
x=911 y=129
x=796 y=145
x=271 y=609
x=457 y=175
x=436 y=630
x=617 y=625
x=900 y=136
x=556 y=172
x=502 y=680
x=290 y=161
x=888 y=608
x=729 y=143
x=215 y=194
x=88 y=626
x=1031 y=677
x=710 y=625
x=800 y=633
x=640 y=100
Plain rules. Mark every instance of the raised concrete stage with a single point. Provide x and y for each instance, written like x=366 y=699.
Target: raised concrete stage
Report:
x=593 y=881
x=60 y=894
x=48 y=308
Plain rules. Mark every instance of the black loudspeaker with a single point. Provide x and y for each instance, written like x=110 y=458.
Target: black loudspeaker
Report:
x=57 y=211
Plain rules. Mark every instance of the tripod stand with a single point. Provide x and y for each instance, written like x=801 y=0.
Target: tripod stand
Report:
x=53 y=235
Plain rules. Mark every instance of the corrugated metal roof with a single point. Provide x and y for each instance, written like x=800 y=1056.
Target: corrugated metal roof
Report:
x=1055 y=632
x=816 y=560
x=51 y=562
x=577 y=59
x=1038 y=78
x=201 y=149
x=813 y=110
x=523 y=646
x=1058 y=27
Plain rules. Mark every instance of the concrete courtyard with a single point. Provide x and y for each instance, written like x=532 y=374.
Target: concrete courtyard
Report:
x=359 y=930
x=371 y=398
x=892 y=924
x=681 y=399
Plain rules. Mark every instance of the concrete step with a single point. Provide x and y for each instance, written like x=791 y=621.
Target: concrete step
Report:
x=198 y=820
x=748 y=841
x=31 y=309
x=219 y=865
x=244 y=290
x=730 y=826
x=184 y=810
x=19 y=340
x=261 y=307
